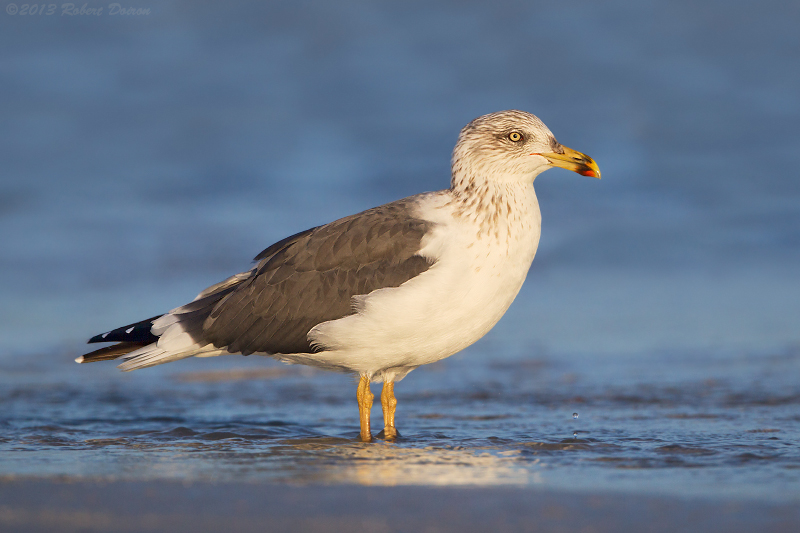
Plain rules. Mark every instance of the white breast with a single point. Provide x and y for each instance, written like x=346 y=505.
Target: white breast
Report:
x=478 y=271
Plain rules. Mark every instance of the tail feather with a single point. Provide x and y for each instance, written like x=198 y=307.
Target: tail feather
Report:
x=164 y=338
x=149 y=356
x=110 y=352
x=152 y=355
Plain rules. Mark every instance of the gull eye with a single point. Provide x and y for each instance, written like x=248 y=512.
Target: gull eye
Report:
x=515 y=136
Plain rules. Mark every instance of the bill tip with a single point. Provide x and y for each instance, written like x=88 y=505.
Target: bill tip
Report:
x=590 y=173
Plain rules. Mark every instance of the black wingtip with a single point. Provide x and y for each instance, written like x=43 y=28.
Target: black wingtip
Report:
x=138 y=332
x=98 y=338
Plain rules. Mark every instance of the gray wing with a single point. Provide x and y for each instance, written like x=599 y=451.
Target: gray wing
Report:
x=311 y=277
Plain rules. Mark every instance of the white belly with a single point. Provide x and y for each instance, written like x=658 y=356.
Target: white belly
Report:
x=475 y=278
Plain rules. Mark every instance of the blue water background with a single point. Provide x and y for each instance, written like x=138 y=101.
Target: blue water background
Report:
x=146 y=157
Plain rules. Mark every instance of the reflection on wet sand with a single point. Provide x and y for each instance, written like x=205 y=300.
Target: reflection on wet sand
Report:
x=384 y=464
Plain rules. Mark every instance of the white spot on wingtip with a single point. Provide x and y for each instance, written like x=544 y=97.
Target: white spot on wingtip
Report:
x=129 y=329
x=79 y=359
x=104 y=335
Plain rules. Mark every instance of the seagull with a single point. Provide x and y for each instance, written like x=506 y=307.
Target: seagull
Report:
x=382 y=292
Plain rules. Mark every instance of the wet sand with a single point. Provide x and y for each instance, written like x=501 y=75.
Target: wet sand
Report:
x=662 y=306
x=67 y=505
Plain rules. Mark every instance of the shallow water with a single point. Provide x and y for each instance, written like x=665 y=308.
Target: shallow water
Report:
x=146 y=158
x=714 y=426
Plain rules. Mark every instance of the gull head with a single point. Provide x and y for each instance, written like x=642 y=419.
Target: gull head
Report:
x=512 y=146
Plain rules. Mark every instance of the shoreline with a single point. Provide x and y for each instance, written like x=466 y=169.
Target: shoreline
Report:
x=68 y=504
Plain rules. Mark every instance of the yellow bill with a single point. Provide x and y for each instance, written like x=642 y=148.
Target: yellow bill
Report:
x=573 y=160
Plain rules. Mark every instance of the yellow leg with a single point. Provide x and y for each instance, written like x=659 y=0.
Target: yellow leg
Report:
x=388 y=403
x=364 y=406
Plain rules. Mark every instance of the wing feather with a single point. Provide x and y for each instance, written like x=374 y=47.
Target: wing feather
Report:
x=312 y=277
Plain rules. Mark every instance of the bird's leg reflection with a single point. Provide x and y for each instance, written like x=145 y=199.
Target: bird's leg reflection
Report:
x=388 y=404
x=364 y=406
